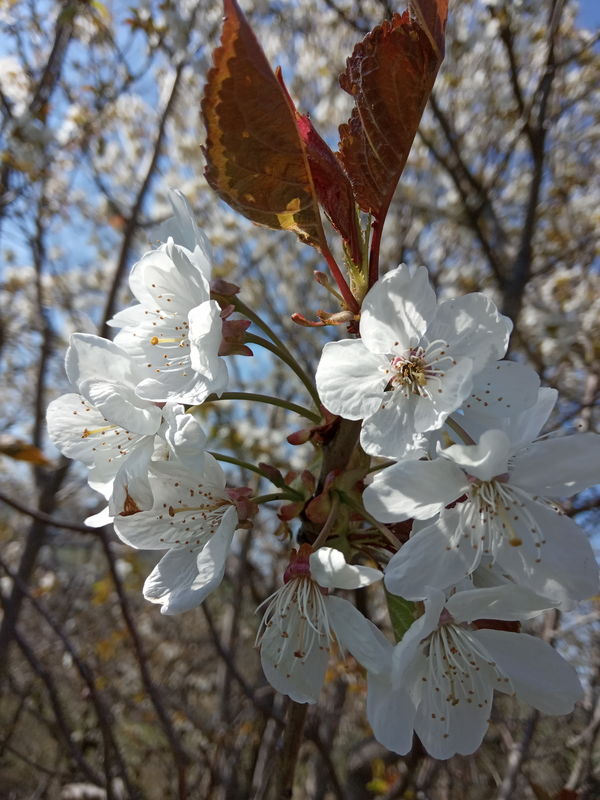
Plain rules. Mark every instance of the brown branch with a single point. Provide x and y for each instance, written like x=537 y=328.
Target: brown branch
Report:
x=227 y=657
x=40 y=670
x=46 y=85
x=520 y=750
x=180 y=756
x=103 y=712
x=472 y=214
x=286 y=766
x=132 y=221
x=521 y=272
x=482 y=192
x=36 y=537
x=46 y=519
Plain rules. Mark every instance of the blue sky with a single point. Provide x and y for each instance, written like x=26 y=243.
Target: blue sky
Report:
x=589 y=13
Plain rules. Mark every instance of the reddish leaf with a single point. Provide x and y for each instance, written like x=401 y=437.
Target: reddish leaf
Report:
x=390 y=74
x=511 y=626
x=542 y=794
x=255 y=158
x=432 y=18
x=22 y=451
x=332 y=186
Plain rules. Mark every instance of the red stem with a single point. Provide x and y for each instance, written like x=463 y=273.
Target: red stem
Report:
x=340 y=280
x=377 y=228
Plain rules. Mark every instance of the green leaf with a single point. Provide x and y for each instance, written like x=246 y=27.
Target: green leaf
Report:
x=402 y=614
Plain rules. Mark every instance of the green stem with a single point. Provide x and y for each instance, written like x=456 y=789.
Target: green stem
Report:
x=287 y=357
x=453 y=424
x=242 y=308
x=349 y=298
x=282 y=351
x=265 y=398
x=238 y=463
x=329 y=523
x=269 y=498
x=393 y=540
x=378 y=467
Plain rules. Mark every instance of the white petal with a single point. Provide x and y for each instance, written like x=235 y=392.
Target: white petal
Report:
x=81 y=432
x=524 y=428
x=165 y=281
x=508 y=602
x=132 y=316
x=558 y=467
x=187 y=510
x=484 y=460
x=447 y=394
x=538 y=674
x=417 y=489
x=70 y=418
x=329 y=569
x=566 y=570
x=427 y=560
x=351 y=380
x=299 y=678
x=182 y=227
x=100 y=519
x=185 y=436
x=391 y=431
x=184 y=577
x=359 y=635
x=462 y=732
x=472 y=327
x=205 y=330
x=502 y=389
x=131 y=483
x=171 y=579
x=407 y=652
x=107 y=377
x=396 y=310
x=391 y=714
x=122 y=406
x=91 y=357
x=212 y=472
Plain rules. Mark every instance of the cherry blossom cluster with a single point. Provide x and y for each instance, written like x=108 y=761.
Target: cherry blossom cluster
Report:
x=127 y=422
x=459 y=430
x=450 y=436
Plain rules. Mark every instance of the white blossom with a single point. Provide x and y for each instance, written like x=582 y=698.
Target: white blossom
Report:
x=106 y=422
x=191 y=516
x=444 y=671
x=174 y=333
x=502 y=487
x=301 y=621
x=414 y=363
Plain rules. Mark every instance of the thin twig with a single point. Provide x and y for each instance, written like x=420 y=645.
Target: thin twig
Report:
x=46 y=519
x=180 y=756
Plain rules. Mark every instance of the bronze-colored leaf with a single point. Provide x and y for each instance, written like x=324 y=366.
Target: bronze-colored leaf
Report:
x=390 y=74
x=256 y=161
x=22 y=451
x=332 y=185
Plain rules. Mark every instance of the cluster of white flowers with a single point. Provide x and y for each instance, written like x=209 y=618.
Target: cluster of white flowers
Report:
x=488 y=544
x=128 y=425
x=454 y=433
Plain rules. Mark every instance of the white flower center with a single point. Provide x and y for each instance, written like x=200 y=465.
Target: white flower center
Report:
x=170 y=342
x=299 y=614
x=419 y=369
x=494 y=510
x=195 y=519
x=458 y=671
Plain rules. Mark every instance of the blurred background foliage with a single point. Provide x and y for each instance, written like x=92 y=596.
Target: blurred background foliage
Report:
x=99 y=103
